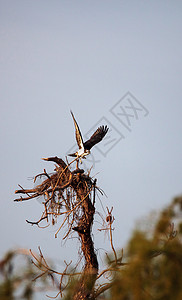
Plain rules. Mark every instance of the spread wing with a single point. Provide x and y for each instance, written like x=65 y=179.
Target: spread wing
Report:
x=79 y=138
x=96 y=137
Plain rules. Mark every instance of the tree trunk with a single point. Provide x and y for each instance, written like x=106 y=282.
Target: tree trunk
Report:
x=87 y=280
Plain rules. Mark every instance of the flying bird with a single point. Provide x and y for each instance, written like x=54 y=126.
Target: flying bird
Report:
x=84 y=148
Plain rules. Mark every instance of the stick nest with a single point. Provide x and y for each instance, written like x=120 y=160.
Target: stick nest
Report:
x=64 y=192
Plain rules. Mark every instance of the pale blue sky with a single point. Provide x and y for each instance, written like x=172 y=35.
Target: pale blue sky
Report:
x=86 y=55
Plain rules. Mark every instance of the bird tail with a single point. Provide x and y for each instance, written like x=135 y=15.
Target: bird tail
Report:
x=72 y=154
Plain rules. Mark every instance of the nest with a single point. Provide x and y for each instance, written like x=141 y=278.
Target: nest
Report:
x=66 y=193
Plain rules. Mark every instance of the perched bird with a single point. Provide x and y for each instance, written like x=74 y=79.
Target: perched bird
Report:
x=84 y=148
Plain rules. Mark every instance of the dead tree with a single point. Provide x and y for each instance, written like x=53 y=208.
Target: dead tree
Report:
x=70 y=194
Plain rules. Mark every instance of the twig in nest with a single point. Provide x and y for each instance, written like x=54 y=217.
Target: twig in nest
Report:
x=37 y=222
x=72 y=211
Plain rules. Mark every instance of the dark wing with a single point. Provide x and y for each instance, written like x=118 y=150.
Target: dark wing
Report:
x=79 y=138
x=96 y=137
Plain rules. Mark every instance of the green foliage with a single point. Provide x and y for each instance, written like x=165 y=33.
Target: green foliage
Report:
x=155 y=262
x=16 y=276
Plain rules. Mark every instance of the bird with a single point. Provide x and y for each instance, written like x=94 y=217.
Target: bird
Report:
x=84 y=147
